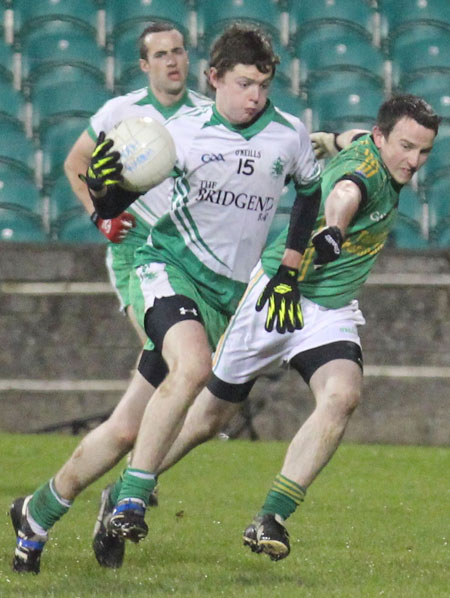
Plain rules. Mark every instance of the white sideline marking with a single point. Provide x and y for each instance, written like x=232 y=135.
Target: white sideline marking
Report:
x=49 y=386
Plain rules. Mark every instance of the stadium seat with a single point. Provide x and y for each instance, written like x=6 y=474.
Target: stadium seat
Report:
x=340 y=50
x=410 y=228
x=434 y=87
x=79 y=229
x=285 y=100
x=358 y=16
x=6 y=21
x=343 y=100
x=18 y=190
x=213 y=17
x=438 y=163
x=55 y=142
x=12 y=102
x=64 y=91
x=438 y=204
x=423 y=49
x=34 y=14
x=122 y=15
x=57 y=43
x=6 y=59
x=20 y=227
x=399 y=15
x=15 y=147
x=63 y=204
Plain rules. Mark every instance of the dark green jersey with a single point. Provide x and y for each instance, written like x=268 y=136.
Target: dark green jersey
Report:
x=337 y=283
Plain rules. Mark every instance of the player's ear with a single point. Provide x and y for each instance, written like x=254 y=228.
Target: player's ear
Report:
x=378 y=136
x=145 y=67
x=213 y=77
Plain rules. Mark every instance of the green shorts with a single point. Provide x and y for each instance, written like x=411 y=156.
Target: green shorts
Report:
x=120 y=261
x=164 y=280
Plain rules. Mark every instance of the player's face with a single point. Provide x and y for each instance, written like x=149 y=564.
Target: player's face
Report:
x=405 y=149
x=241 y=93
x=167 y=62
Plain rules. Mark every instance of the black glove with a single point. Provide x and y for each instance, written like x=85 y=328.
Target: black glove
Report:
x=328 y=243
x=283 y=296
x=104 y=167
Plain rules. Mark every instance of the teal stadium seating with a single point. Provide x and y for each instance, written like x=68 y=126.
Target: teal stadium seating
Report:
x=6 y=59
x=55 y=142
x=59 y=42
x=66 y=91
x=409 y=230
x=419 y=50
x=213 y=17
x=434 y=87
x=12 y=102
x=20 y=227
x=342 y=101
x=313 y=14
x=341 y=49
x=29 y=15
x=400 y=15
x=438 y=163
x=121 y=15
x=79 y=229
x=332 y=74
x=438 y=209
x=18 y=191
x=15 y=147
x=63 y=206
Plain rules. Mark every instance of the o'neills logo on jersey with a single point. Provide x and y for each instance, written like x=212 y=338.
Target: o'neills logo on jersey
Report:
x=242 y=201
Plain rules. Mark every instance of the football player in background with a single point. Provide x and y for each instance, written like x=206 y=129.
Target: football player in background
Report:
x=165 y=62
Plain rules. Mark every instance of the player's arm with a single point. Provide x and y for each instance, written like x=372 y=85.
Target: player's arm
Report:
x=341 y=206
x=327 y=145
x=281 y=292
x=78 y=160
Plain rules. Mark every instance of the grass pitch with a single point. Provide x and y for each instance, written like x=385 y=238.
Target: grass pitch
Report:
x=375 y=523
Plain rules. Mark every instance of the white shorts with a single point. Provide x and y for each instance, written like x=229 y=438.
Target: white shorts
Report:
x=246 y=350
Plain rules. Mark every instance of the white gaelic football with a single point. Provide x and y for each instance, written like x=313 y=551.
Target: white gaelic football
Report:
x=147 y=152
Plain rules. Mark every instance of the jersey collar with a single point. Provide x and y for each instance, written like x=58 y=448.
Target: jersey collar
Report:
x=248 y=130
x=166 y=111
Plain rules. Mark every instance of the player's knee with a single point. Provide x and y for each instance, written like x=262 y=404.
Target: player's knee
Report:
x=343 y=402
x=192 y=374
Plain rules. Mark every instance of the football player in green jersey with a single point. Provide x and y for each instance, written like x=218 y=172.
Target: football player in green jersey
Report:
x=360 y=193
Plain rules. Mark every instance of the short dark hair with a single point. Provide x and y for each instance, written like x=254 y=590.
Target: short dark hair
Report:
x=243 y=43
x=406 y=105
x=155 y=27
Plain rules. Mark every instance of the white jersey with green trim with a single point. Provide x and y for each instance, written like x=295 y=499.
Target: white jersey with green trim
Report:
x=228 y=184
x=142 y=102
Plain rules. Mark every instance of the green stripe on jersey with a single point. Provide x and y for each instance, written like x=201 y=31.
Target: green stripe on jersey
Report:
x=168 y=247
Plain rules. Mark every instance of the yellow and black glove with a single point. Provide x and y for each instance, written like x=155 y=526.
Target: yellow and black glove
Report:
x=283 y=297
x=104 y=167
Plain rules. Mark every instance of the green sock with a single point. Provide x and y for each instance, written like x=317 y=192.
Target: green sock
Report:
x=46 y=506
x=115 y=489
x=283 y=497
x=137 y=483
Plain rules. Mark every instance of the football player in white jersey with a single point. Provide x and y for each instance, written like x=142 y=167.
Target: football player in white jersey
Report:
x=233 y=160
x=164 y=59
